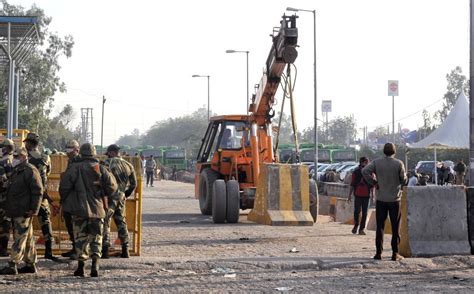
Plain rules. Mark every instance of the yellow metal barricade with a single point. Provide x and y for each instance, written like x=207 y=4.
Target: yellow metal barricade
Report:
x=133 y=211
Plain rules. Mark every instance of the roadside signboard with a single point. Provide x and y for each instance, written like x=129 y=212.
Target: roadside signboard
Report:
x=326 y=106
x=393 y=88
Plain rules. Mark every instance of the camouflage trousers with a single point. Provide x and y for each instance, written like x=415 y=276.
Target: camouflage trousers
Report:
x=88 y=236
x=44 y=218
x=23 y=248
x=117 y=212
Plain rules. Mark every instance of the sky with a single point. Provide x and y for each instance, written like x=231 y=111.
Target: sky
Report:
x=141 y=56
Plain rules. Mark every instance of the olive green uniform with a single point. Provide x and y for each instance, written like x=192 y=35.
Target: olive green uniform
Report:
x=6 y=170
x=124 y=174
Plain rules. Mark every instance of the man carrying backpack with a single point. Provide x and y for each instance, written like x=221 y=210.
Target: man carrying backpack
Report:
x=362 y=193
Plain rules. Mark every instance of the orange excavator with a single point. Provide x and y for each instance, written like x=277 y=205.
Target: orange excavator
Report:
x=234 y=147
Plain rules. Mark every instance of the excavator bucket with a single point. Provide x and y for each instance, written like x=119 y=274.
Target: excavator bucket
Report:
x=282 y=197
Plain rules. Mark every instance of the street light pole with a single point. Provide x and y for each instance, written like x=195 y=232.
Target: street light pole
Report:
x=247 y=53
x=208 y=93
x=102 y=125
x=316 y=148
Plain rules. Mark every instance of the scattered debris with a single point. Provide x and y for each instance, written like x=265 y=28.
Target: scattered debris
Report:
x=221 y=270
x=244 y=239
x=230 y=275
x=294 y=250
x=283 y=289
x=184 y=222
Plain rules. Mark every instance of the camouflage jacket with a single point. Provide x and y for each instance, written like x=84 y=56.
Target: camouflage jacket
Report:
x=124 y=174
x=43 y=163
x=84 y=186
x=24 y=192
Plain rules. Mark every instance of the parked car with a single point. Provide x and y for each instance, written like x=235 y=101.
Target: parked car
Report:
x=348 y=170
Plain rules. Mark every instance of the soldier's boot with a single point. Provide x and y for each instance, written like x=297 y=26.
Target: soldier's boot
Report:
x=95 y=267
x=4 y=246
x=48 y=250
x=9 y=270
x=27 y=269
x=79 y=272
x=125 y=253
x=105 y=252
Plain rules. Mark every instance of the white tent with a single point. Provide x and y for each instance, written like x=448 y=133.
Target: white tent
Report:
x=453 y=133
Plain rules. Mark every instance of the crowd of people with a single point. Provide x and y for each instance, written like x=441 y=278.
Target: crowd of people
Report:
x=92 y=193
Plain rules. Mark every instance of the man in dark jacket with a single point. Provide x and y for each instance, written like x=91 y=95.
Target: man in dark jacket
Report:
x=84 y=189
x=72 y=152
x=362 y=193
x=390 y=175
x=24 y=194
x=460 y=169
x=124 y=174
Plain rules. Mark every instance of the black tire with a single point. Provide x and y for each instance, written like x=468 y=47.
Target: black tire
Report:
x=219 y=201
x=233 y=201
x=313 y=199
x=206 y=181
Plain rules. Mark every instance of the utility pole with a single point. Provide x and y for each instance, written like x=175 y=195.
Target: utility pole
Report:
x=102 y=125
x=471 y=100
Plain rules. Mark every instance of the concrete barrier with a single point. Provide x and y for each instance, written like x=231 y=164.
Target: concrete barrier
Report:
x=324 y=204
x=470 y=216
x=282 y=196
x=336 y=189
x=434 y=221
x=344 y=211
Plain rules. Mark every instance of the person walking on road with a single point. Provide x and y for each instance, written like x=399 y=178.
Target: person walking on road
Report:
x=150 y=166
x=390 y=177
x=126 y=179
x=24 y=196
x=362 y=192
x=460 y=170
x=84 y=189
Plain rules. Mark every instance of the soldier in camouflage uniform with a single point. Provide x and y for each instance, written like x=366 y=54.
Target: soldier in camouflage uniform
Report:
x=43 y=164
x=124 y=174
x=72 y=152
x=24 y=194
x=6 y=170
x=84 y=188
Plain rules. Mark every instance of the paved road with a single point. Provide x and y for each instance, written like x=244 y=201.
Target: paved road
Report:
x=183 y=251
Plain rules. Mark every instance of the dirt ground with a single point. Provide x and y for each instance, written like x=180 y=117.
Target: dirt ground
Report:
x=183 y=251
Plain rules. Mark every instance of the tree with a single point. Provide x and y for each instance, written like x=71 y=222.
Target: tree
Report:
x=342 y=130
x=457 y=82
x=39 y=80
x=285 y=132
x=186 y=132
x=427 y=127
x=132 y=140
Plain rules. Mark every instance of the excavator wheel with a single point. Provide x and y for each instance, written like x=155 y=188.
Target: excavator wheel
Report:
x=219 y=201
x=233 y=201
x=313 y=199
x=208 y=177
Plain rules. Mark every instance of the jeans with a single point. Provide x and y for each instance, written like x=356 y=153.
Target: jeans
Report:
x=360 y=203
x=382 y=209
x=149 y=177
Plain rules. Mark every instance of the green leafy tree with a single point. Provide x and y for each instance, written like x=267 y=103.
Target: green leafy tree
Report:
x=457 y=82
x=427 y=127
x=186 y=132
x=39 y=80
x=286 y=129
x=133 y=140
x=342 y=130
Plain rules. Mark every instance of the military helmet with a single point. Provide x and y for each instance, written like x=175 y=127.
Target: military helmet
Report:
x=8 y=142
x=72 y=144
x=87 y=149
x=33 y=137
